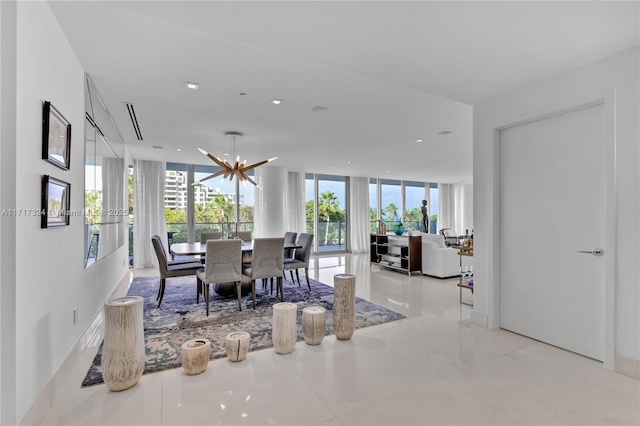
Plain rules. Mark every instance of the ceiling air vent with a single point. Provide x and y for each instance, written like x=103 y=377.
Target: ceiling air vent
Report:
x=134 y=121
x=444 y=132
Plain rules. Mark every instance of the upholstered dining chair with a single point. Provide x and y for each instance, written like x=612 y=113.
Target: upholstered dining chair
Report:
x=244 y=235
x=171 y=262
x=223 y=265
x=210 y=235
x=266 y=262
x=168 y=270
x=289 y=237
x=300 y=258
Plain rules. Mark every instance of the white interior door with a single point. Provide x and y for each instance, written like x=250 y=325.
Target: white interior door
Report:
x=552 y=204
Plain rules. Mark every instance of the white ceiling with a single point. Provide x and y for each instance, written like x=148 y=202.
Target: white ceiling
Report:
x=388 y=72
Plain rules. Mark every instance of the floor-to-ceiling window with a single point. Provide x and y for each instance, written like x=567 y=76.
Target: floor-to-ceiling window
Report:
x=214 y=206
x=373 y=203
x=433 y=208
x=390 y=201
x=326 y=206
x=414 y=193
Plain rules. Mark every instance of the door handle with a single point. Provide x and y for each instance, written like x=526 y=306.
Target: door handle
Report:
x=595 y=252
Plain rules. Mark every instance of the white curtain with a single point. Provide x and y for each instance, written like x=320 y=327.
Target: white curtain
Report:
x=148 y=211
x=455 y=207
x=360 y=218
x=296 y=219
x=112 y=201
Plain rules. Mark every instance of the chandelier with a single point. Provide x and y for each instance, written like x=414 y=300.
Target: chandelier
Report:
x=238 y=169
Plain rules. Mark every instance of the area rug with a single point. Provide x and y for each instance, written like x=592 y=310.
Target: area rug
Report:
x=179 y=318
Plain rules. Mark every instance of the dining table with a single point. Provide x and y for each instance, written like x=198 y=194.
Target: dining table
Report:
x=195 y=249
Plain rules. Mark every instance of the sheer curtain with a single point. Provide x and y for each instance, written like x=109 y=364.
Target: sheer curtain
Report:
x=295 y=220
x=148 y=211
x=455 y=207
x=112 y=201
x=360 y=218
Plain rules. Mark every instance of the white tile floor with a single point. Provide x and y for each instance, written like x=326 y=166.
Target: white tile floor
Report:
x=434 y=367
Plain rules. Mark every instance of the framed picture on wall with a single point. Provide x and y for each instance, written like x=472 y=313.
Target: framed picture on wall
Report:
x=56 y=137
x=56 y=196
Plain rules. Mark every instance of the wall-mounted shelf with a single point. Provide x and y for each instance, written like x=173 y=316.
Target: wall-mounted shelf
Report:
x=402 y=253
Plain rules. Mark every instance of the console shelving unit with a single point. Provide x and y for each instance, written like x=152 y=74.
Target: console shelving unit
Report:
x=402 y=253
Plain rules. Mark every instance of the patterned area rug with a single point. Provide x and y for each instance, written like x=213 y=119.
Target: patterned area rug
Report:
x=179 y=318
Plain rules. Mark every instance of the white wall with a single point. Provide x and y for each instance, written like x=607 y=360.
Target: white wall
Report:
x=619 y=73
x=50 y=280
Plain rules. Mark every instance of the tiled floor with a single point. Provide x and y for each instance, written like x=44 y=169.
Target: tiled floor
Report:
x=434 y=367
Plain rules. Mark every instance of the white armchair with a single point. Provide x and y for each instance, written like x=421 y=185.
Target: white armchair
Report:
x=439 y=260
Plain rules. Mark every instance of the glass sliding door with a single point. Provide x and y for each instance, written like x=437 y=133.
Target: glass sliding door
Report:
x=175 y=202
x=433 y=208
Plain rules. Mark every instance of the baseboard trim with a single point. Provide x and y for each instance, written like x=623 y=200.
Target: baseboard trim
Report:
x=93 y=334
x=627 y=366
x=480 y=319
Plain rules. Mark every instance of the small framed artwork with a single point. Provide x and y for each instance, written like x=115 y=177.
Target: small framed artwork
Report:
x=55 y=202
x=56 y=137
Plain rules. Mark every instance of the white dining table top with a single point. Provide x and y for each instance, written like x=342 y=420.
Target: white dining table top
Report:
x=192 y=249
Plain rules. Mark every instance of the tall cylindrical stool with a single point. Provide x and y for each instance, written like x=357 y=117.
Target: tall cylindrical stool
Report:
x=284 y=332
x=123 y=348
x=344 y=317
x=195 y=355
x=237 y=345
x=314 y=324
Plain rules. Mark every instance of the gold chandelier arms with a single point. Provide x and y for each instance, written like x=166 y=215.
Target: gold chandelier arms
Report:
x=238 y=169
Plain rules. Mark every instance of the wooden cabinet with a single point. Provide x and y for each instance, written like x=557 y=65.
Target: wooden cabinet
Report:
x=402 y=253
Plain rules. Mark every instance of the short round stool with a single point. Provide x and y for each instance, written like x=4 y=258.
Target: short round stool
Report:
x=237 y=345
x=284 y=334
x=314 y=324
x=195 y=355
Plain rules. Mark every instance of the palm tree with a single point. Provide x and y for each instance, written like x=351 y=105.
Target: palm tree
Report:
x=328 y=206
x=391 y=212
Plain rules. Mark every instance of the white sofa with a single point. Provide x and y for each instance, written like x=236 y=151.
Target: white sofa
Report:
x=439 y=260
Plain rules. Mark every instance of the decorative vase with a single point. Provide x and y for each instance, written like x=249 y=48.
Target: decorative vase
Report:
x=284 y=334
x=314 y=324
x=123 y=348
x=398 y=229
x=344 y=317
x=237 y=345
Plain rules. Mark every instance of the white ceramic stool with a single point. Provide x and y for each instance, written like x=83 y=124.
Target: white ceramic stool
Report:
x=314 y=324
x=237 y=345
x=284 y=333
x=344 y=316
x=123 y=348
x=195 y=355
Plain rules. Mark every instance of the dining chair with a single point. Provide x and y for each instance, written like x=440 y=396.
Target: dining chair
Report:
x=171 y=262
x=266 y=262
x=300 y=258
x=289 y=237
x=168 y=270
x=223 y=265
x=210 y=235
x=244 y=235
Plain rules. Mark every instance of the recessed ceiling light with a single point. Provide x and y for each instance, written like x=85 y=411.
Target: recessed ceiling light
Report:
x=319 y=108
x=192 y=86
x=178 y=149
x=444 y=132
x=387 y=171
x=419 y=140
x=243 y=94
x=226 y=154
x=276 y=101
x=349 y=162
